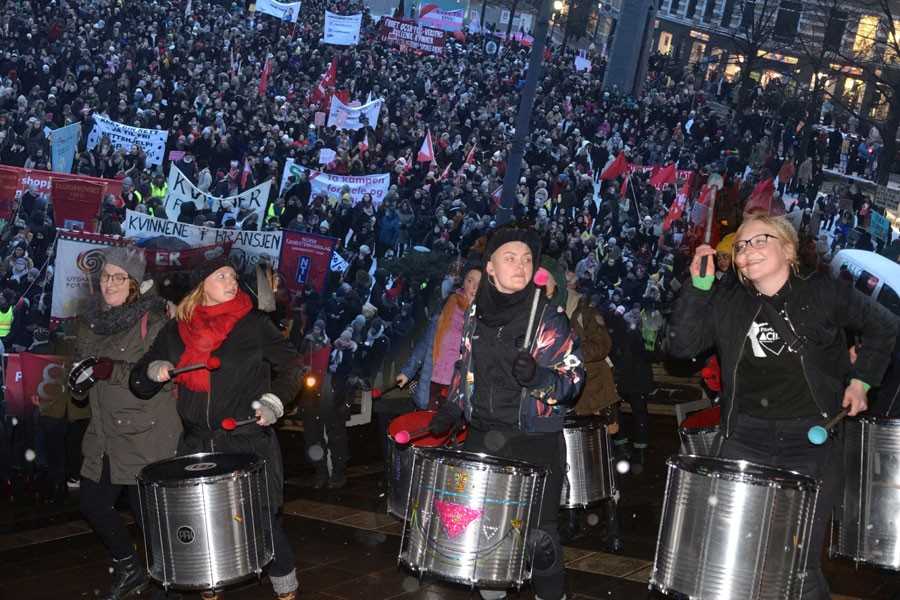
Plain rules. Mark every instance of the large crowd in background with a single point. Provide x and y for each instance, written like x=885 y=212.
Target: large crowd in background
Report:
x=196 y=74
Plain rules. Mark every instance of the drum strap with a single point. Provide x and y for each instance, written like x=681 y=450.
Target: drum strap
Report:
x=797 y=343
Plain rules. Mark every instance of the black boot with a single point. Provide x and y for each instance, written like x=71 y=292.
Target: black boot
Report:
x=612 y=543
x=131 y=579
x=572 y=530
x=320 y=480
x=338 y=479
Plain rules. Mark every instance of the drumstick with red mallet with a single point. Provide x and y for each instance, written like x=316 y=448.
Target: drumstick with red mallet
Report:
x=379 y=392
x=212 y=363
x=230 y=424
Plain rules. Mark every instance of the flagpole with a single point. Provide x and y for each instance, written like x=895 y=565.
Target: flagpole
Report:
x=523 y=118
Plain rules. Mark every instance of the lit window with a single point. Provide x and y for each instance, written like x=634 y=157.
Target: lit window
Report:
x=864 y=42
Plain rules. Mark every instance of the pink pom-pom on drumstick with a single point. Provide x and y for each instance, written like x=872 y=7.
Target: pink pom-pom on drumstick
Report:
x=540 y=278
x=402 y=437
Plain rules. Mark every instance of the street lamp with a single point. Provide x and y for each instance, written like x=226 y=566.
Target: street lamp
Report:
x=557 y=11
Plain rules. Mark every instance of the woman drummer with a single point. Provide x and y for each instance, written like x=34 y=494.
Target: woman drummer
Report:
x=125 y=433
x=785 y=365
x=257 y=368
x=521 y=365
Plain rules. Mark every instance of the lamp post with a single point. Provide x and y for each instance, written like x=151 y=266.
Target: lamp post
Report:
x=557 y=11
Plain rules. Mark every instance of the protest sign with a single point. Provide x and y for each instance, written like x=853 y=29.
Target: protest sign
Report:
x=305 y=258
x=247 y=246
x=79 y=258
x=181 y=190
x=76 y=203
x=332 y=185
x=153 y=141
x=442 y=14
x=62 y=147
x=412 y=35
x=342 y=30
x=286 y=11
x=326 y=155
x=348 y=117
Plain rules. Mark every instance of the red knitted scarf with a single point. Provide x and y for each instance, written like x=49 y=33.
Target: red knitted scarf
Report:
x=205 y=332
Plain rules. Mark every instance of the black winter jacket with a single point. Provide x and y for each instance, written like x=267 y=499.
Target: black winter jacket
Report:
x=819 y=309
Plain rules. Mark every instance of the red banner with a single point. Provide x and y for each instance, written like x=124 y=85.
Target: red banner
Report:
x=189 y=259
x=76 y=203
x=410 y=35
x=305 y=258
x=9 y=188
x=30 y=375
x=40 y=180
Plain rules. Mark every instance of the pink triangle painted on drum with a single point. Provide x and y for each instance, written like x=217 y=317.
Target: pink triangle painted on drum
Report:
x=456 y=517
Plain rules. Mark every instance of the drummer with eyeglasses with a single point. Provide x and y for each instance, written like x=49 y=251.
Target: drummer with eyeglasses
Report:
x=521 y=366
x=785 y=365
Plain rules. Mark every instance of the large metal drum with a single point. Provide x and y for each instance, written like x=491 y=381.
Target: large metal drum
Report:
x=867 y=521
x=700 y=432
x=589 y=469
x=206 y=519
x=733 y=529
x=471 y=518
x=401 y=455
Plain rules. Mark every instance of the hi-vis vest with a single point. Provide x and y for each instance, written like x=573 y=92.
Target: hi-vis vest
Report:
x=6 y=320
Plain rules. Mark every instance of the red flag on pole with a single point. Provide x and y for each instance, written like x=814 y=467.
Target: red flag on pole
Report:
x=426 y=152
x=329 y=80
x=677 y=208
x=761 y=198
x=470 y=156
x=264 y=78
x=665 y=175
x=616 y=168
x=623 y=191
x=245 y=173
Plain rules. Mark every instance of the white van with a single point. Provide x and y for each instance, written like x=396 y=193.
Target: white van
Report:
x=874 y=275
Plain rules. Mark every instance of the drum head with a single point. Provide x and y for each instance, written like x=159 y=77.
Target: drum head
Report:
x=417 y=421
x=472 y=460
x=198 y=466
x=708 y=417
x=742 y=471
x=81 y=375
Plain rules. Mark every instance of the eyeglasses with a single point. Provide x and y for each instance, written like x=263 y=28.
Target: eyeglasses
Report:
x=757 y=242
x=117 y=279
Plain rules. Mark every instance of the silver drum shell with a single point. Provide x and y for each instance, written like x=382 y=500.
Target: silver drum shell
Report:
x=733 y=529
x=487 y=550
x=206 y=531
x=867 y=520
x=589 y=467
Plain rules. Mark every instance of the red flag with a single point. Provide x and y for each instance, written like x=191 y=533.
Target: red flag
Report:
x=329 y=80
x=264 y=79
x=470 y=156
x=496 y=197
x=245 y=173
x=426 y=152
x=616 y=168
x=623 y=191
x=761 y=197
x=677 y=207
x=446 y=173
x=290 y=93
x=665 y=175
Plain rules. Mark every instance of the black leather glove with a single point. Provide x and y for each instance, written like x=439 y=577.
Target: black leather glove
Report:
x=104 y=368
x=442 y=421
x=525 y=369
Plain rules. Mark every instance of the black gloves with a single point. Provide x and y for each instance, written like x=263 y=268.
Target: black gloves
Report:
x=104 y=368
x=525 y=369
x=443 y=420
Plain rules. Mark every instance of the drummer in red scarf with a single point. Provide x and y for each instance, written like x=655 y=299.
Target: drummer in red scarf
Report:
x=257 y=369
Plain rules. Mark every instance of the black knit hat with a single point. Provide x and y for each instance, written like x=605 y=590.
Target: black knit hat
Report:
x=515 y=232
x=214 y=260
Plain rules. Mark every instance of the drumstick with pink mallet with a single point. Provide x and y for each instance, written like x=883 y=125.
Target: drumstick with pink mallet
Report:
x=405 y=437
x=212 y=363
x=818 y=434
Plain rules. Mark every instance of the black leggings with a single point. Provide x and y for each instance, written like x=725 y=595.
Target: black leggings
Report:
x=98 y=505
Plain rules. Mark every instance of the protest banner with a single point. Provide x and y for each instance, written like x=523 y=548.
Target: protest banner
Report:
x=181 y=190
x=332 y=185
x=44 y=376
x=38 y=181
x=348 y=117
x=342 y=30
x=79 y=258
x=442 y=14
x=412 y=35
x=13 y=392
x=326 y=155
x=166 y=260
x=76 y=203
x=305 y=258
x=286 y=11
x=153 y=141
x=248 y=247
x=9 y=190
x=62 y=147
x=879 y=226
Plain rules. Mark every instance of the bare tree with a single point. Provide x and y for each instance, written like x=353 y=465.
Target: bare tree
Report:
x=872 y=56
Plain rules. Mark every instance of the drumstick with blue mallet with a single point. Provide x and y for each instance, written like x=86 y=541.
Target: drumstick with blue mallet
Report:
x=818 y=434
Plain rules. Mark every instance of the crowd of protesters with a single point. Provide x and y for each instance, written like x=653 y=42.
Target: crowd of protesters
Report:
x=196 y=73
